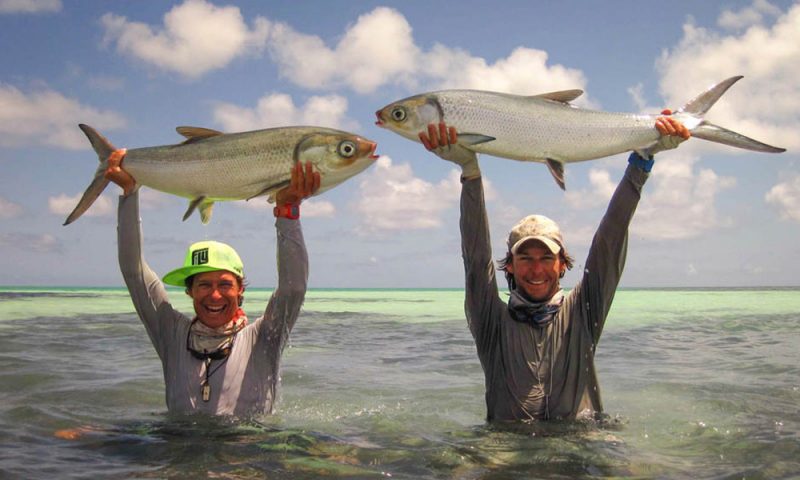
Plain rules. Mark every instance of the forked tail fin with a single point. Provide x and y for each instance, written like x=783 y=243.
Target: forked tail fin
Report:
x=103 y=148
x=698 y=107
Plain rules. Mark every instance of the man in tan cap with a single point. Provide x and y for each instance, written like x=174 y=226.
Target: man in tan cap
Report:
x=537 y=350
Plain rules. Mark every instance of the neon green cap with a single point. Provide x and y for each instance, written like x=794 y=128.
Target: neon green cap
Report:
x=206 y=256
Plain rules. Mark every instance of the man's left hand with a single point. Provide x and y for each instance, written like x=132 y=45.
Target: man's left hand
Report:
x=304 y=183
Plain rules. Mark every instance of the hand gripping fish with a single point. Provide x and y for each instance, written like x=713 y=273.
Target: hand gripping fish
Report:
x=546 y=128
x=211 y=166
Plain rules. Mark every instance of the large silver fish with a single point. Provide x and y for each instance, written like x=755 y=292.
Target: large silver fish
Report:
x=546 y=128
x=211 y=166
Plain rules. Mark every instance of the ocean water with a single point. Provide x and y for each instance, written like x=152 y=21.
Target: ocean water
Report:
x=386 y=384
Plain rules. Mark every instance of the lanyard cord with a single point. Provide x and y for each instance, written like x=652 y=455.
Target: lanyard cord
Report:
x=205 y=385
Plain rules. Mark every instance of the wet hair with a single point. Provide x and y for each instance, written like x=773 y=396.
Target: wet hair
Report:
x=503 y=263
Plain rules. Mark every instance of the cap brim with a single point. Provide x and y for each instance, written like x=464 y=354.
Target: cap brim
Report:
x=552 y=245
x=177 y=277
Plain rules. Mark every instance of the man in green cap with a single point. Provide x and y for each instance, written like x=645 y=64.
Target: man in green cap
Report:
x=537 y=350
x=218 y=362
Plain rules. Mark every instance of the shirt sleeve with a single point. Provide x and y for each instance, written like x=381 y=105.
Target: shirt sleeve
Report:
x=482 y=302
x=608 y=251
x=287 y=299
x=145 y=288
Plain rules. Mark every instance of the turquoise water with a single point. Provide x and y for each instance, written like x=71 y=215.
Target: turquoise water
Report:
x=385 y=383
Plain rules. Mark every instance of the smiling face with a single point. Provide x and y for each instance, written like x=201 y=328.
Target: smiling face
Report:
x=216 y=297
x=536 y=270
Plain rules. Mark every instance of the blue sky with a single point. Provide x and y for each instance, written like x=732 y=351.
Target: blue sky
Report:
x=710 y=216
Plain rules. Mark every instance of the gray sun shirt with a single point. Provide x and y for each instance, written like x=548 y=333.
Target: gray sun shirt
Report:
x=246 y=382
x=535 y=373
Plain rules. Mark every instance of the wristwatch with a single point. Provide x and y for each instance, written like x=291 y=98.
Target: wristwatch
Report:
x=287 y=210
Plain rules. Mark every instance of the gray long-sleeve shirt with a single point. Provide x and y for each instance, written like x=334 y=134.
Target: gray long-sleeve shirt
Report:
x=245 y=383
x=544 y=372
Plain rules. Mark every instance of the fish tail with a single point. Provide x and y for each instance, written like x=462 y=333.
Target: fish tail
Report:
x=103 y=148
x=697 y=108
x=715 y=133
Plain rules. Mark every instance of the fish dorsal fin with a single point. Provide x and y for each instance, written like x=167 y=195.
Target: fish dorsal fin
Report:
x=557 y=170
x=194 y=134
x=562 y=96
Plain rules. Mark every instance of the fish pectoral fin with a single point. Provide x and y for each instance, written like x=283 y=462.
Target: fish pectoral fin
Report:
x=194 y=134
x=557 y=170
x=561 y=96
x=271 y=190
x=200 y=203
x=469 y=139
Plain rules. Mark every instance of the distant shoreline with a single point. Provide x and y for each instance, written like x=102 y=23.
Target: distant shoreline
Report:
x=408 y=289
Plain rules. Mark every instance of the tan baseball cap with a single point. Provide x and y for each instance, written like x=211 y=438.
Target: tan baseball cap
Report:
x=536 y=227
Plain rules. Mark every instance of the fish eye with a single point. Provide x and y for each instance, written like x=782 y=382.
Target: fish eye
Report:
x=347 y=149
x=398 y=114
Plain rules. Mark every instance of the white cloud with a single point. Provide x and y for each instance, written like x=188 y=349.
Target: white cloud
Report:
x=765 y=104
x=785 y=197
x=64 y=204
x=748 y=16
x=602 y=187
x=384 y=36
x=377 y=49
x=525 y=72
x=276 y=110
x=30 y=6
x=679 y=201
x=45 y=243
x=9 y=209
x=196 y=37
x=46 y=117
x=391 y=198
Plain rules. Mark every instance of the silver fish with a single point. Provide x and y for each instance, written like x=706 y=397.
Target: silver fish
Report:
x=211 y=166
x=546 y=128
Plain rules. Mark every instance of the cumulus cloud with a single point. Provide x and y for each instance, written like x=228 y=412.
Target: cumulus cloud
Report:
x=384 y=36
x=680 y=202
x=9 y=209
x=277 y=109
x=391 y=198
x=30 y=6
x=748 y=16
x=63 y=205
x=602 y=187
x=196 y=37
x=765 y=104
x=785 y=197
x=31 y=243
x=46 y=117
x=377 y=49
x=525 y=71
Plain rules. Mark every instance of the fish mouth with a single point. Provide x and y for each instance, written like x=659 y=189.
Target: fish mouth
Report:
x=379 y=122
x=368 y=146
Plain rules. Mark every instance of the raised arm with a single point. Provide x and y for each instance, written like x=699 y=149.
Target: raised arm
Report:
x=608 y=251
x=482 y=303
x=284 y=304
x=147 y=293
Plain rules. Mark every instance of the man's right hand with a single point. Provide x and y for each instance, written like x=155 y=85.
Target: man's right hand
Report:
x=117 y=174
x=443 y=141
